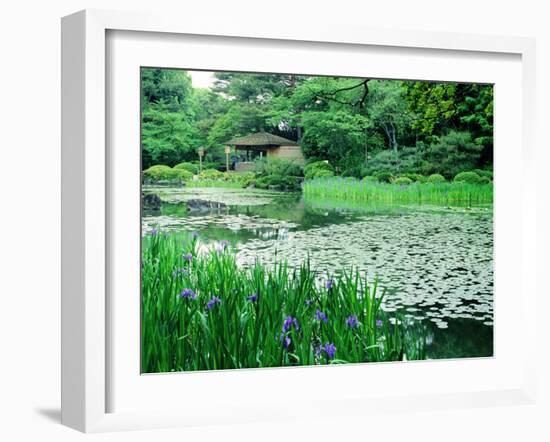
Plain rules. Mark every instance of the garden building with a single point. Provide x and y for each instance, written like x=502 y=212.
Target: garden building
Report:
x=263 y=144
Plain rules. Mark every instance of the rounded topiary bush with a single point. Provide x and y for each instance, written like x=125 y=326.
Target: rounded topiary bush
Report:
x=383 y=177
x=467 y=177
x=403 y=181
x=312 y=170
x=190 y=167
x=436 y=178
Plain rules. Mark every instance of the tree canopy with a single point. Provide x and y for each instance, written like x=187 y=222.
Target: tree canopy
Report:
x=360 y=125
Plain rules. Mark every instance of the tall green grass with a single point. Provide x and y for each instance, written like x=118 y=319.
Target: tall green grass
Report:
x=233 y=317
x=417 y=193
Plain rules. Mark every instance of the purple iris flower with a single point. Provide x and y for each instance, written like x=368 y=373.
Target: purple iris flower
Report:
x=290 y=322
x=330 y=350
x=379 y=323
x=188 y=257
x=188 y=293
x=320 y=316
x=194 y=235
x=154 y=231
x=329 y=284
x=352 y=322
x=212 y=303
x=286 y=341
x=253 y=297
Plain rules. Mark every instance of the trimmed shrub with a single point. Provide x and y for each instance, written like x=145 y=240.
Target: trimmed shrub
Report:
x=210 y=165
x=211 y=174
x=415 y=177
x=383 y=177
x=183 y=175
x=190 y=167
x=369 y=179
x=467 y=177
x=484 y=173
x=280 y=182
x=277 y=166
x=403 y=181
x=436 y=178
x=485 y=180
x=312 y=170
x=247 y=179
x=322 y=174
x=160 y=172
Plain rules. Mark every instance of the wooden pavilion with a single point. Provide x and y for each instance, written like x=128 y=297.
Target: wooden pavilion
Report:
x=263 y=144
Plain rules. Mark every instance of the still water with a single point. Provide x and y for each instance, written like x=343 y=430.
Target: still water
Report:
x=435 y=263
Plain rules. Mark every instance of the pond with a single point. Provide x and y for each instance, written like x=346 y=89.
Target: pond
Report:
x=435 y=263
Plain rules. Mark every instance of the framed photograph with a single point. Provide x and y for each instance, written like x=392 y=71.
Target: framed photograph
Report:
x=252 y=214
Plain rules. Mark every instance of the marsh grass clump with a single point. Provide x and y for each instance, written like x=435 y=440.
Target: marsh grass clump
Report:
x=202 y=311
x=458 y=192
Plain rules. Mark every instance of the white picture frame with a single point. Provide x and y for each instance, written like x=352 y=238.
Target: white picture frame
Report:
x=86 y=352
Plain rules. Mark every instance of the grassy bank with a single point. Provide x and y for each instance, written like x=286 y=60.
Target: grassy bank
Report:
x=419 y=193
x=203 y=312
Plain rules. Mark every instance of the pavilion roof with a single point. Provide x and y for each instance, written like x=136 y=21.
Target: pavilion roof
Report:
x=261 y=139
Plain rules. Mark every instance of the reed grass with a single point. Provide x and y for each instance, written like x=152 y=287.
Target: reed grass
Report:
x=447 y=193
x=201 y=311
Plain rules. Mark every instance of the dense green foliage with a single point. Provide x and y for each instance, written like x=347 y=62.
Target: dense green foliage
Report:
x=204 y=312
x=360 y=125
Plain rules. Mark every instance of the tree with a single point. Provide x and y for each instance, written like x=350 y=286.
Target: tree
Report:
x=388 y=110
x=442 y=107
x=168 y=132
x=337 y=136
x=453 y=153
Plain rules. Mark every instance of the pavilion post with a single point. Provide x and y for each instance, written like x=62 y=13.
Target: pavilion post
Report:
x=227 y=152
x=201 y=154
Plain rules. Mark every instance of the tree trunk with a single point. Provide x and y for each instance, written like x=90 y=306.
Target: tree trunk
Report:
x=391 y=135
x=366 y=149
